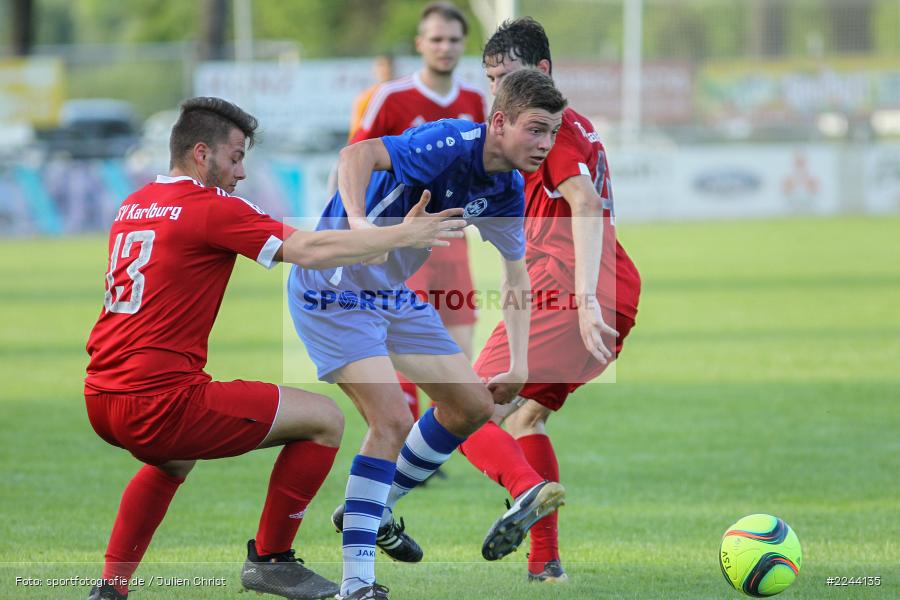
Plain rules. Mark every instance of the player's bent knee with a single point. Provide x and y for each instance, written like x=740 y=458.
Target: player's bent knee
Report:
x=331 y=425
x=483 y=406
x=307 y=416
x=475 y=412
x=177 y=468
x=484 y=413
x=503 y=411
x=528 y=420
x=327 y=426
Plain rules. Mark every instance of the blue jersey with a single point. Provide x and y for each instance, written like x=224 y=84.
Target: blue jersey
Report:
x=447 y=158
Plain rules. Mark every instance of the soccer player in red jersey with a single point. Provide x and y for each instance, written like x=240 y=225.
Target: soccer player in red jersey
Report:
x=571 y=249
x=431 y=94
x=172 y=247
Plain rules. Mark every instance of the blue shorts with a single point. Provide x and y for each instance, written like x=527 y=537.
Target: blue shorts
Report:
x=341 y=327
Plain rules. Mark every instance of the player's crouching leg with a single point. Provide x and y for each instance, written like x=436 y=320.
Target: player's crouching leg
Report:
x=310 y=427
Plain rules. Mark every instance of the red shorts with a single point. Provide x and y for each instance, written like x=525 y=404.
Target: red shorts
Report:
x=447 y=282
x=209 y=420
x=558 y=362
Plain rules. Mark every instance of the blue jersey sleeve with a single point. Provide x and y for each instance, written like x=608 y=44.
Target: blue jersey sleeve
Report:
x=419 y=155
x=507 y=234
x=505 y=228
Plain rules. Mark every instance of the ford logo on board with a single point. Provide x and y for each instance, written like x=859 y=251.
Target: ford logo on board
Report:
x=727 y=182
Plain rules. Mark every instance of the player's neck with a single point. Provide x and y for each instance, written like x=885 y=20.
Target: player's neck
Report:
x=494 y=160
x=178 y=171
x=439 y=83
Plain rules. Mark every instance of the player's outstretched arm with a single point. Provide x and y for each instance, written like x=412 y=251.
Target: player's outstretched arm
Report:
x=516 y=299
x=334 y=248
x=356 y=164
x=587 y=234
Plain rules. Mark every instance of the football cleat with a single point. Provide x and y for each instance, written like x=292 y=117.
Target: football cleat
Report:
x=284 y=575
x=530 y=507
x=370 y=592
x=106 y=592
x=552 y=573
x=391 y=538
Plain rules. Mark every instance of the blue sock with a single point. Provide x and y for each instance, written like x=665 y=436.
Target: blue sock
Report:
x=367 y=490
x=427 y=447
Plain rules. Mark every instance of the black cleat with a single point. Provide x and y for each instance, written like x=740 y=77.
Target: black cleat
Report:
x=391 y=538
x=552 y=573
x=106 y=592
x=284 y=575
x=530 y=507
x=370 y=592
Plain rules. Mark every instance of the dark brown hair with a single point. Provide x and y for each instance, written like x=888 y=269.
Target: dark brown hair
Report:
x=524 y=90
x=448 y=11
x=523 y=39
x=208 y=120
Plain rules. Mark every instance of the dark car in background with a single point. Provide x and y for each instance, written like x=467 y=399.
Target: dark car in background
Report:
x=91 y=128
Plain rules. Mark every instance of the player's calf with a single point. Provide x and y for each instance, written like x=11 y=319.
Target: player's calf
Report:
x=389 y=431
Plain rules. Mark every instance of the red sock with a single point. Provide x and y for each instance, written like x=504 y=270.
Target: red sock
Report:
x=142 y=508
x=496 y=454
x=544 y=534
x=411 y=393
x=296 y=477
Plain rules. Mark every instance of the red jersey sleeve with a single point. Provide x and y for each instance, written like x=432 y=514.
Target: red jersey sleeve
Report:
x=375 y=121
x=479 y=106
x=237 y=225
x=566 y=159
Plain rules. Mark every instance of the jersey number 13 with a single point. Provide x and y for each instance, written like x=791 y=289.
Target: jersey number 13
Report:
x=113 y=299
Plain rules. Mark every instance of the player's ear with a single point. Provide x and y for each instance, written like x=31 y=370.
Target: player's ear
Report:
x=498 y=122
x=544 y=66
x=200 y=153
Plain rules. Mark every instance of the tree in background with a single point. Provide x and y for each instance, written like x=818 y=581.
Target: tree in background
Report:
x=22 y=34
x=214 y=20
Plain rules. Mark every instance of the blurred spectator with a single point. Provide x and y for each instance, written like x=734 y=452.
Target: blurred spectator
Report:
x=383 y=69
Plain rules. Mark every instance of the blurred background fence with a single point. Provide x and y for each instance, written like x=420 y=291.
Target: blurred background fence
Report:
x=709 y=108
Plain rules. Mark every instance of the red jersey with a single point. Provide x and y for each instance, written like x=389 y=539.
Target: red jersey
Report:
x=407 y=102
x=172 y=248
x=548 y=223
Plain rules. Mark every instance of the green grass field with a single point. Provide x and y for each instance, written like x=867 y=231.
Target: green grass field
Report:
x=763 y=376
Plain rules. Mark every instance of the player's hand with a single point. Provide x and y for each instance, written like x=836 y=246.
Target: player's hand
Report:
x=595 y=333
x=505 y=387
x=432 y=229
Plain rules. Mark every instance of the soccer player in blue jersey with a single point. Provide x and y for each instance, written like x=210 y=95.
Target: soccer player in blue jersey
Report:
x=360 y=323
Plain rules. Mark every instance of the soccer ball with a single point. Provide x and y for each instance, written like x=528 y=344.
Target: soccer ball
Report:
x=760 y=555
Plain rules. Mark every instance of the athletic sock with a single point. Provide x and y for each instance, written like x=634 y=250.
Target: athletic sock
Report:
x=142 y=508
x=538 y=449
x=411 y=394
x=496 y=454
x=298 y=474
x=427 y=447
x=367 y=489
